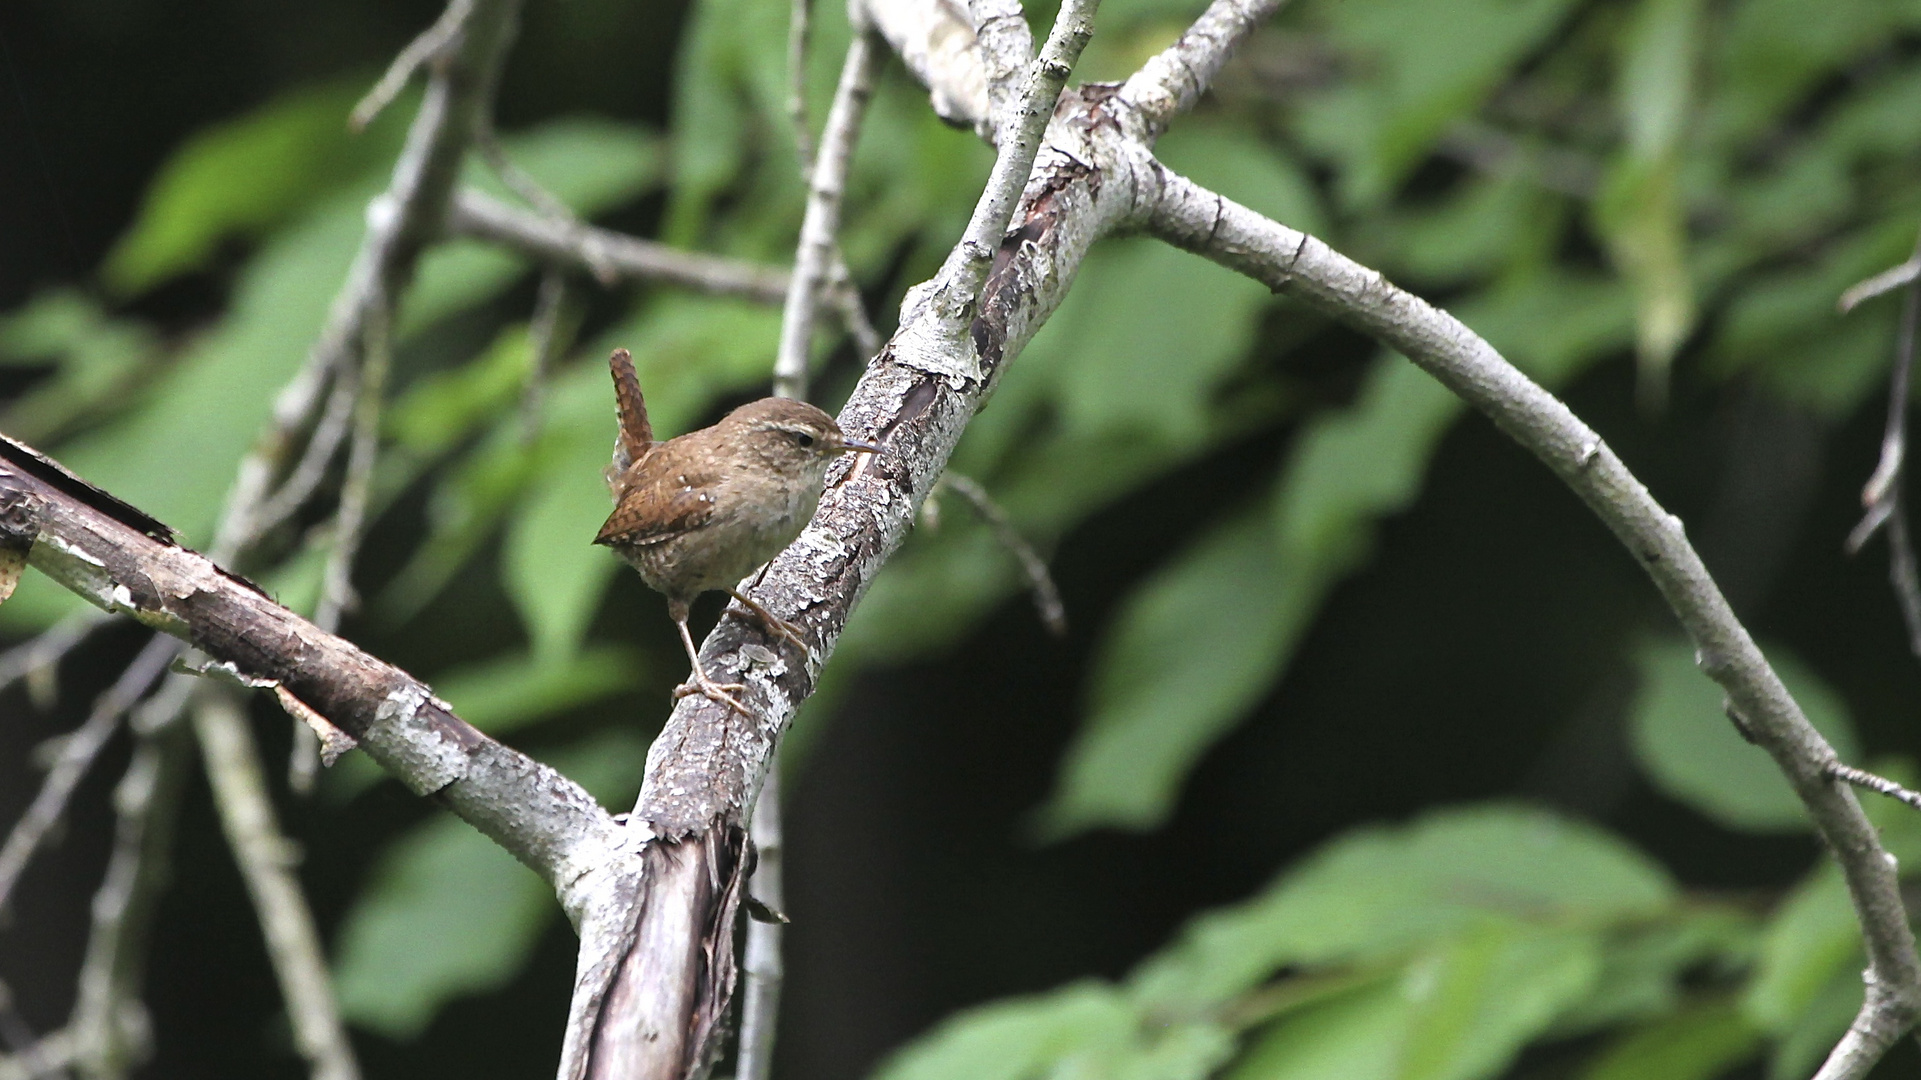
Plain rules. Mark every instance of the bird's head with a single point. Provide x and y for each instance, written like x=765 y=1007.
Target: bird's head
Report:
x=791 y=437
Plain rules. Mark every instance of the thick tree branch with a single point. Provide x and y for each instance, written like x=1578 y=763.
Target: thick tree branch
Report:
x=936 y=39
x=544 y=819
x=584 y=247
x=1201 y=221
x=650 y=1009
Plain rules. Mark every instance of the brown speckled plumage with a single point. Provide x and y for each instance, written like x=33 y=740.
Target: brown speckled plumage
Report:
x=699 y=512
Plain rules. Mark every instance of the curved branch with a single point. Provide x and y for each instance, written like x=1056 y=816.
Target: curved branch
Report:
x=1207 y=224
x=1171 y=82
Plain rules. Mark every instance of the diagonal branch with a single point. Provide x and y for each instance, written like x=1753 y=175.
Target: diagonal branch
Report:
x=584 y=247
x=77 y=752
x=651 y=1007
x=1882 y=495
x=265 y=861
x=1207 y=224
x=1171 y=82
x=544 y=819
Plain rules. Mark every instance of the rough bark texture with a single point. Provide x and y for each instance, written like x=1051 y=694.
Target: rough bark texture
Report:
x=89 y=544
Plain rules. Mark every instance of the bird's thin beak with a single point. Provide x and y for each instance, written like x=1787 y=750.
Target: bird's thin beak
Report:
x=855 y=446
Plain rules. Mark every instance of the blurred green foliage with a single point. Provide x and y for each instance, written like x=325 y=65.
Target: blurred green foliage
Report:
x=1681 y=181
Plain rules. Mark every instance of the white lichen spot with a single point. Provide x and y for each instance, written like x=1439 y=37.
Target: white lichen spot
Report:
x=73 y=552
x=122 y=598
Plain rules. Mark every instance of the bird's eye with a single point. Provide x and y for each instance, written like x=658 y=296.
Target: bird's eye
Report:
x=805 y=440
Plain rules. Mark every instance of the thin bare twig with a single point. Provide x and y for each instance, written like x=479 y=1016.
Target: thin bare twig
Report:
x=1006 y=49
x=421 y=50
x=939 y=344
x=337 y=591
x=1884 y=282
x=337 y=595
x=1040 y=582
x=1883 y=497
x=1862 y=778
x=15 y=1032
x=584 y=246
x=1174 y=79
x=826 y=187
x=844 y=293
x=109 y=1033
x=761 y=967
x=44 y=651
x=329 y=433
x=799 y=22
x=549 y=334
x=47 y=1059
x=77 y=752
x=266 y=859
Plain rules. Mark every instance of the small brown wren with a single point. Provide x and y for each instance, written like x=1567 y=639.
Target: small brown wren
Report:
x=699 y=512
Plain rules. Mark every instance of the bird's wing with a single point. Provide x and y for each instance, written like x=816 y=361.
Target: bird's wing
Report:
x=659 y=502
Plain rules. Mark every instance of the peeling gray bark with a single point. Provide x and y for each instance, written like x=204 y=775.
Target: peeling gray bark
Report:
x=544 y=819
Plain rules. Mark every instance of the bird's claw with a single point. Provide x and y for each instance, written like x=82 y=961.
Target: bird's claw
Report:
x=722 y=693
x=773 y=623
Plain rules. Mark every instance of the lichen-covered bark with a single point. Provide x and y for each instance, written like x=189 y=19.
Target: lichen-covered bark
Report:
x=117 y=559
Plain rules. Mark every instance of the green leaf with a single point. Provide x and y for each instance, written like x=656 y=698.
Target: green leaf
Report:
x=1700 y=1043
x=730 y=90
x=1640 y=213
x=509 y=692
x=443 y=407
x=1355 y=1036
x=445 y=913
x=1192 y=649
x=1655 y=90
x=1145 y=339
x=98 y=360
x=1226 y=158
x=1642 y=219
x=1379 y=892
x=1426 y=66
x=1819 y=1026
x=1782 y=324
x=1643 y=968
x=1812 y=940
x=246 y=176
x=1084 y=1030
x=208 y=407
x=1768 y=54
x=1480 y=998
x=1691 y=751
